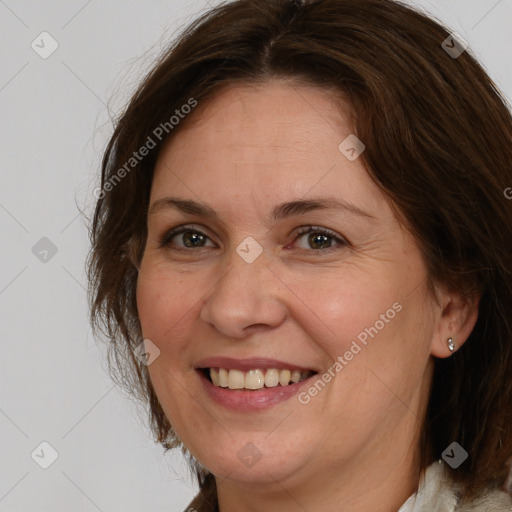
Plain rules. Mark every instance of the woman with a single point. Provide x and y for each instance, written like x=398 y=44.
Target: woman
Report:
x=301 y=255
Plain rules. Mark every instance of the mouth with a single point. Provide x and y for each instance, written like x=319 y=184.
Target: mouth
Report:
x=254 y=379
x=251 y=384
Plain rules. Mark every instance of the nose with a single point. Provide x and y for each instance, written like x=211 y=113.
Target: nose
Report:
x=246 y=298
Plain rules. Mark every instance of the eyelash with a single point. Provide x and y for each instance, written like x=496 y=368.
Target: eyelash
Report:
x=341 y=242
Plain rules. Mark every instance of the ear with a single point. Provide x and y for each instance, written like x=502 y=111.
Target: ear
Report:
x=456 y=316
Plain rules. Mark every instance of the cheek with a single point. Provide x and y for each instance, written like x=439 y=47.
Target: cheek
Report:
x=163 y=300
x=165 y=313
x=372 y=320
x=340 y=306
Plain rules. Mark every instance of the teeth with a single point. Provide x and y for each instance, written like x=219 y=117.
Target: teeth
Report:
x=295 y=376
x=284 y=377
x=214 y=375
x=223 y=378
x=236 y=379
x=271 y=378
x=255 y=379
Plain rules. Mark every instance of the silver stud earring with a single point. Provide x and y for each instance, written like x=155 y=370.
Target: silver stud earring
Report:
x=451 y=344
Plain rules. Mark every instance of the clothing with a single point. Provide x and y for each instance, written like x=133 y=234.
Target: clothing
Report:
x=436 y=493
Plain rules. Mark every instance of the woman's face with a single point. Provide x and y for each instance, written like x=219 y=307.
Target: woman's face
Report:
x=244 y=287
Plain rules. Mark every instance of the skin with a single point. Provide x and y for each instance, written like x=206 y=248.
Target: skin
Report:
x=244 y=151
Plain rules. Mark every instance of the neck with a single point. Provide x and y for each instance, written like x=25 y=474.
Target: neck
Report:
x=374 y=487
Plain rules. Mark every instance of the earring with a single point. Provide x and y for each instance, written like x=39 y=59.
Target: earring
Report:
x=451 y=344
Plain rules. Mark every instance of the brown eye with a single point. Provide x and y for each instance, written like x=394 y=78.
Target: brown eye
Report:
x=193 y=239
x=320 y=238
x=185 y=238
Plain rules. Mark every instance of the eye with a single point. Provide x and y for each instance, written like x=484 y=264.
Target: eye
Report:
x=321 y=239
x=190 y=238
x=186 y=237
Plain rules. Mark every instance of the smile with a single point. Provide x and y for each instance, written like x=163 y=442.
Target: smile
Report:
x=255 y=379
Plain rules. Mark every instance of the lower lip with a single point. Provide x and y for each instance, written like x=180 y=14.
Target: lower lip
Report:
x=245 y=400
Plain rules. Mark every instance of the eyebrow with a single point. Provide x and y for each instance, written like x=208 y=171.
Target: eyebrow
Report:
x=281 y=211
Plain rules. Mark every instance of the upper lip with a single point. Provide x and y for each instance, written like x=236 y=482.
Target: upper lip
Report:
x=230 y=363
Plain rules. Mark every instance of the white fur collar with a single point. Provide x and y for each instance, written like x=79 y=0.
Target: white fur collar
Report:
x=436 y=493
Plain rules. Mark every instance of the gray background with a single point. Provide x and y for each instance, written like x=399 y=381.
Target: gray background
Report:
x=55 y=121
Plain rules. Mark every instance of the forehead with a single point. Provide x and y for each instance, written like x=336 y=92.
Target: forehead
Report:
x=274 y=114
x=276 y=141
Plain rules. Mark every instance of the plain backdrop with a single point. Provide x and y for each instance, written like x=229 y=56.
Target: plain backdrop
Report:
x=55 y=121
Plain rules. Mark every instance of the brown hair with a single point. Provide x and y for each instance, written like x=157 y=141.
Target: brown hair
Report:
x=438 y=138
